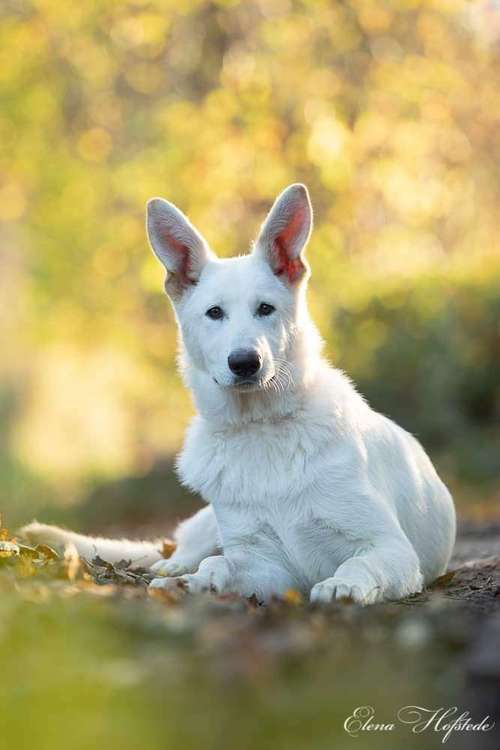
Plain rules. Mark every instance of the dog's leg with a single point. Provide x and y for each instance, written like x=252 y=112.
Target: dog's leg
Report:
x=389 y=570
x=241 y=572
x=197 y=538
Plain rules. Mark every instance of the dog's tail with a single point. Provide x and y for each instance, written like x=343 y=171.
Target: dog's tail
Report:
x=141 y=554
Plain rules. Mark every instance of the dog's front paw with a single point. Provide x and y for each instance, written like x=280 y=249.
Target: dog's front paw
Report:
x=167 y=584
x=172 y=567
x=191 y=583
x=197 y=583
x=336 y=588
x=212 y=575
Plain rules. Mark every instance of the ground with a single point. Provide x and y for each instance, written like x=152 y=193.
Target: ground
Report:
x=88 y=653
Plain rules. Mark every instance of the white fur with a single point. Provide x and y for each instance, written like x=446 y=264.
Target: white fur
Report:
x=139 y=553
x=308 y=487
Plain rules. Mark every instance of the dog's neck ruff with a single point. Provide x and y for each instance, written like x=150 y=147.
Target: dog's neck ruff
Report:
x=226 y=408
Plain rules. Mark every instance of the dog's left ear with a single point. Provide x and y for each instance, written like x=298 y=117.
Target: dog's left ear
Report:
x=285 y=232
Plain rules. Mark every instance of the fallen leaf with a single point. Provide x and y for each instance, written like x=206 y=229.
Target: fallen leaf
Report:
x=44 y=549
x=4 y=533
x=168 y=548
x=444 y=580
x=292 y=596
x=72 y=562
x=8 y=549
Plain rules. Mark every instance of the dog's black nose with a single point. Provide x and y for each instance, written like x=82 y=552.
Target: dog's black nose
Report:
x=244 y=362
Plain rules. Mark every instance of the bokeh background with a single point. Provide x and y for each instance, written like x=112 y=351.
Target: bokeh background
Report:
x=388 y=111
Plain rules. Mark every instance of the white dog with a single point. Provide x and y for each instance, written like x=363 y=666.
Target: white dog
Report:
x=307 y=487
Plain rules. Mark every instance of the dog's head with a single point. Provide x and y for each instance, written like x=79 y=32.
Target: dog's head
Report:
x=238 y=316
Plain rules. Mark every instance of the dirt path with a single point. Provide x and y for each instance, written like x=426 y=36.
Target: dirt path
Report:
x=289 y=671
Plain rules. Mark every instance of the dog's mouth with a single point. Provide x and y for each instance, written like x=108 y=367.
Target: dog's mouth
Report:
x=247 y=385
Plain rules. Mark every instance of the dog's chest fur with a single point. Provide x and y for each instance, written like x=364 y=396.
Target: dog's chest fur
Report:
x=262 y=480
x=257 y=464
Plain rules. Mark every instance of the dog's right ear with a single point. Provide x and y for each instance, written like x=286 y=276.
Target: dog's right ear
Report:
x=177 y=245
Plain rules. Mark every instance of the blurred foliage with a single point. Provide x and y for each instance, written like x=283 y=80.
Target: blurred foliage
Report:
x=87 y=653
x=389 y=112
x=138 y=675
x=428 y=356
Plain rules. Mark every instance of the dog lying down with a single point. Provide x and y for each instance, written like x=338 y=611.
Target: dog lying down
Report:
x=306 y=486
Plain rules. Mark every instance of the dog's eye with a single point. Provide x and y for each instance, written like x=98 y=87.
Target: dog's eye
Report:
x=265 y=309
x=215 y=313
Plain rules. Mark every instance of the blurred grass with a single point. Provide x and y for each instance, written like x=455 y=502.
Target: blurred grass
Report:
x=88 y=652
x=134 y=674
x=389 y=113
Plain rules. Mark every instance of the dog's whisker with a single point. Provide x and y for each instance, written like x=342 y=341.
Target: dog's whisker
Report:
x=283 y=379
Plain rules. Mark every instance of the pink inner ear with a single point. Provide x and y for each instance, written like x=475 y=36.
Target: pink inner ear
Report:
x=292 y=267
x=183 y=259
